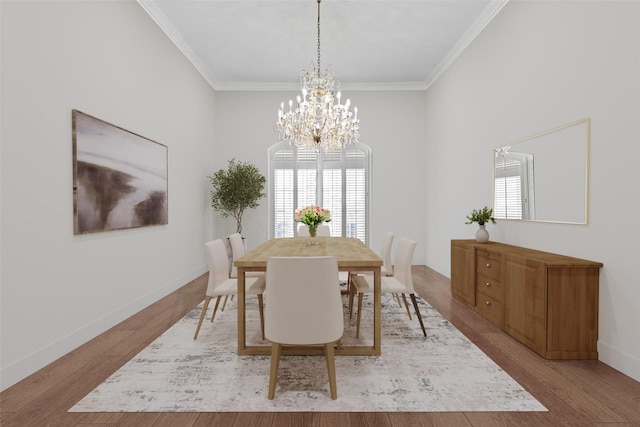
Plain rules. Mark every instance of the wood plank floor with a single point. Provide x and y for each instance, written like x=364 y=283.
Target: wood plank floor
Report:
x=577 y=393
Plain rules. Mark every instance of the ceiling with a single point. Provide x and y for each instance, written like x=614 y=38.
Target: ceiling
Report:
x=372 y=45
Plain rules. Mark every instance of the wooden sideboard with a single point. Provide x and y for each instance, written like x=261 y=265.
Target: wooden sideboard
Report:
x=546 y=301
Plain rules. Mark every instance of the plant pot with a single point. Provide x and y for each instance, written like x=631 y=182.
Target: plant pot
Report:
x=482 y=235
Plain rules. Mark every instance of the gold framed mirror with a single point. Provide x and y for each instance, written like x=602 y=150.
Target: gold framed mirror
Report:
x=544 y=177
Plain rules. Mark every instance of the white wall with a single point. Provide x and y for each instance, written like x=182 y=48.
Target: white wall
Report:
x=110 y=60
x=536 y=66
x=390 y=122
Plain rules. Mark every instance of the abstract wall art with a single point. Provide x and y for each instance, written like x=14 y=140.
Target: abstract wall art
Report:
x=119 y=178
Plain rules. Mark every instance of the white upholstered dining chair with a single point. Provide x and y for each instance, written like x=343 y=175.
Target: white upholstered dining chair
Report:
x=220 y=284
x=237 y=250
x=304 y=308
x=385 y=270
x=324 y=230
x=387 y=267
x=400 y=283
x=385 y=254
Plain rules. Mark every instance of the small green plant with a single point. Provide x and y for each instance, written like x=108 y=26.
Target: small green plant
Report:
x=481 y=216
x=236 y=189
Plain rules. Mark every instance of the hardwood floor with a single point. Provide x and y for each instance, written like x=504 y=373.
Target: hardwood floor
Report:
x=577 y=393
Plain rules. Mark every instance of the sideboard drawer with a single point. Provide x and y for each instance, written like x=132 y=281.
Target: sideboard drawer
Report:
x=488 y=263
x=490 y=287
x=490 y=308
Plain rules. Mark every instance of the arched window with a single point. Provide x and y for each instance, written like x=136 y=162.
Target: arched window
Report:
x=338 y=181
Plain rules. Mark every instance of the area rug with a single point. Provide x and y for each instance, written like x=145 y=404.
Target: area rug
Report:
x=443 y=372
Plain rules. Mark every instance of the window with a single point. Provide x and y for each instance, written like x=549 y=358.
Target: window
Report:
x=338 y=181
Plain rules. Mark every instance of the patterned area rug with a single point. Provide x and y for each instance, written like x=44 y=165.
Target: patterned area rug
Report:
x=443 y=372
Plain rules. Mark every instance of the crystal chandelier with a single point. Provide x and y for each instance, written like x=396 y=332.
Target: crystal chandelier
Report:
x=318 y=121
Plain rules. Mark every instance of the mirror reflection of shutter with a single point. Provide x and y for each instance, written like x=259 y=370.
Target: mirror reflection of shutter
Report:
x=513 y=187
x=508 y=190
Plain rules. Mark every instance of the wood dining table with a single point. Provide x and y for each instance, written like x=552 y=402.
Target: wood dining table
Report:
x=352 y=255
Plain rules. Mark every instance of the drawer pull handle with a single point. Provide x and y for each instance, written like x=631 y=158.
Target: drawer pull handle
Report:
x=488 y=284
x=488 y=265
x=488 y=303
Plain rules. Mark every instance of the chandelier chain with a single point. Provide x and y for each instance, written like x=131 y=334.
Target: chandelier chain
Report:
x=318 y=38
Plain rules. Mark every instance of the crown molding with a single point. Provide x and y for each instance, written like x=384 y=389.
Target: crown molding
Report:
x=478 y=25
x=174 y=35
x=244 y=86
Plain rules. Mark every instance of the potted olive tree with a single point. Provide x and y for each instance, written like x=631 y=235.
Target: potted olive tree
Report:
x=236 y=189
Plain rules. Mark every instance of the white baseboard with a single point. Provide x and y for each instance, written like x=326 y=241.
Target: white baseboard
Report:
x=619 y=360
x=31 y=363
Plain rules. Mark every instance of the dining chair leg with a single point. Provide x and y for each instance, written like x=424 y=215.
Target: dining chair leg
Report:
x=406 y=304
x=204 y=311
x=329 y=354
x=273 y=375
x=397 y=297
x=224 y=303
x=261 y=315
x=360 y=295
x=215 y=308
x=415 y=305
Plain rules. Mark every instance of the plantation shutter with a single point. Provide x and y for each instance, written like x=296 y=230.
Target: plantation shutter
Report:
x=281 y=192
x=338 y=181
x=356 y=173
